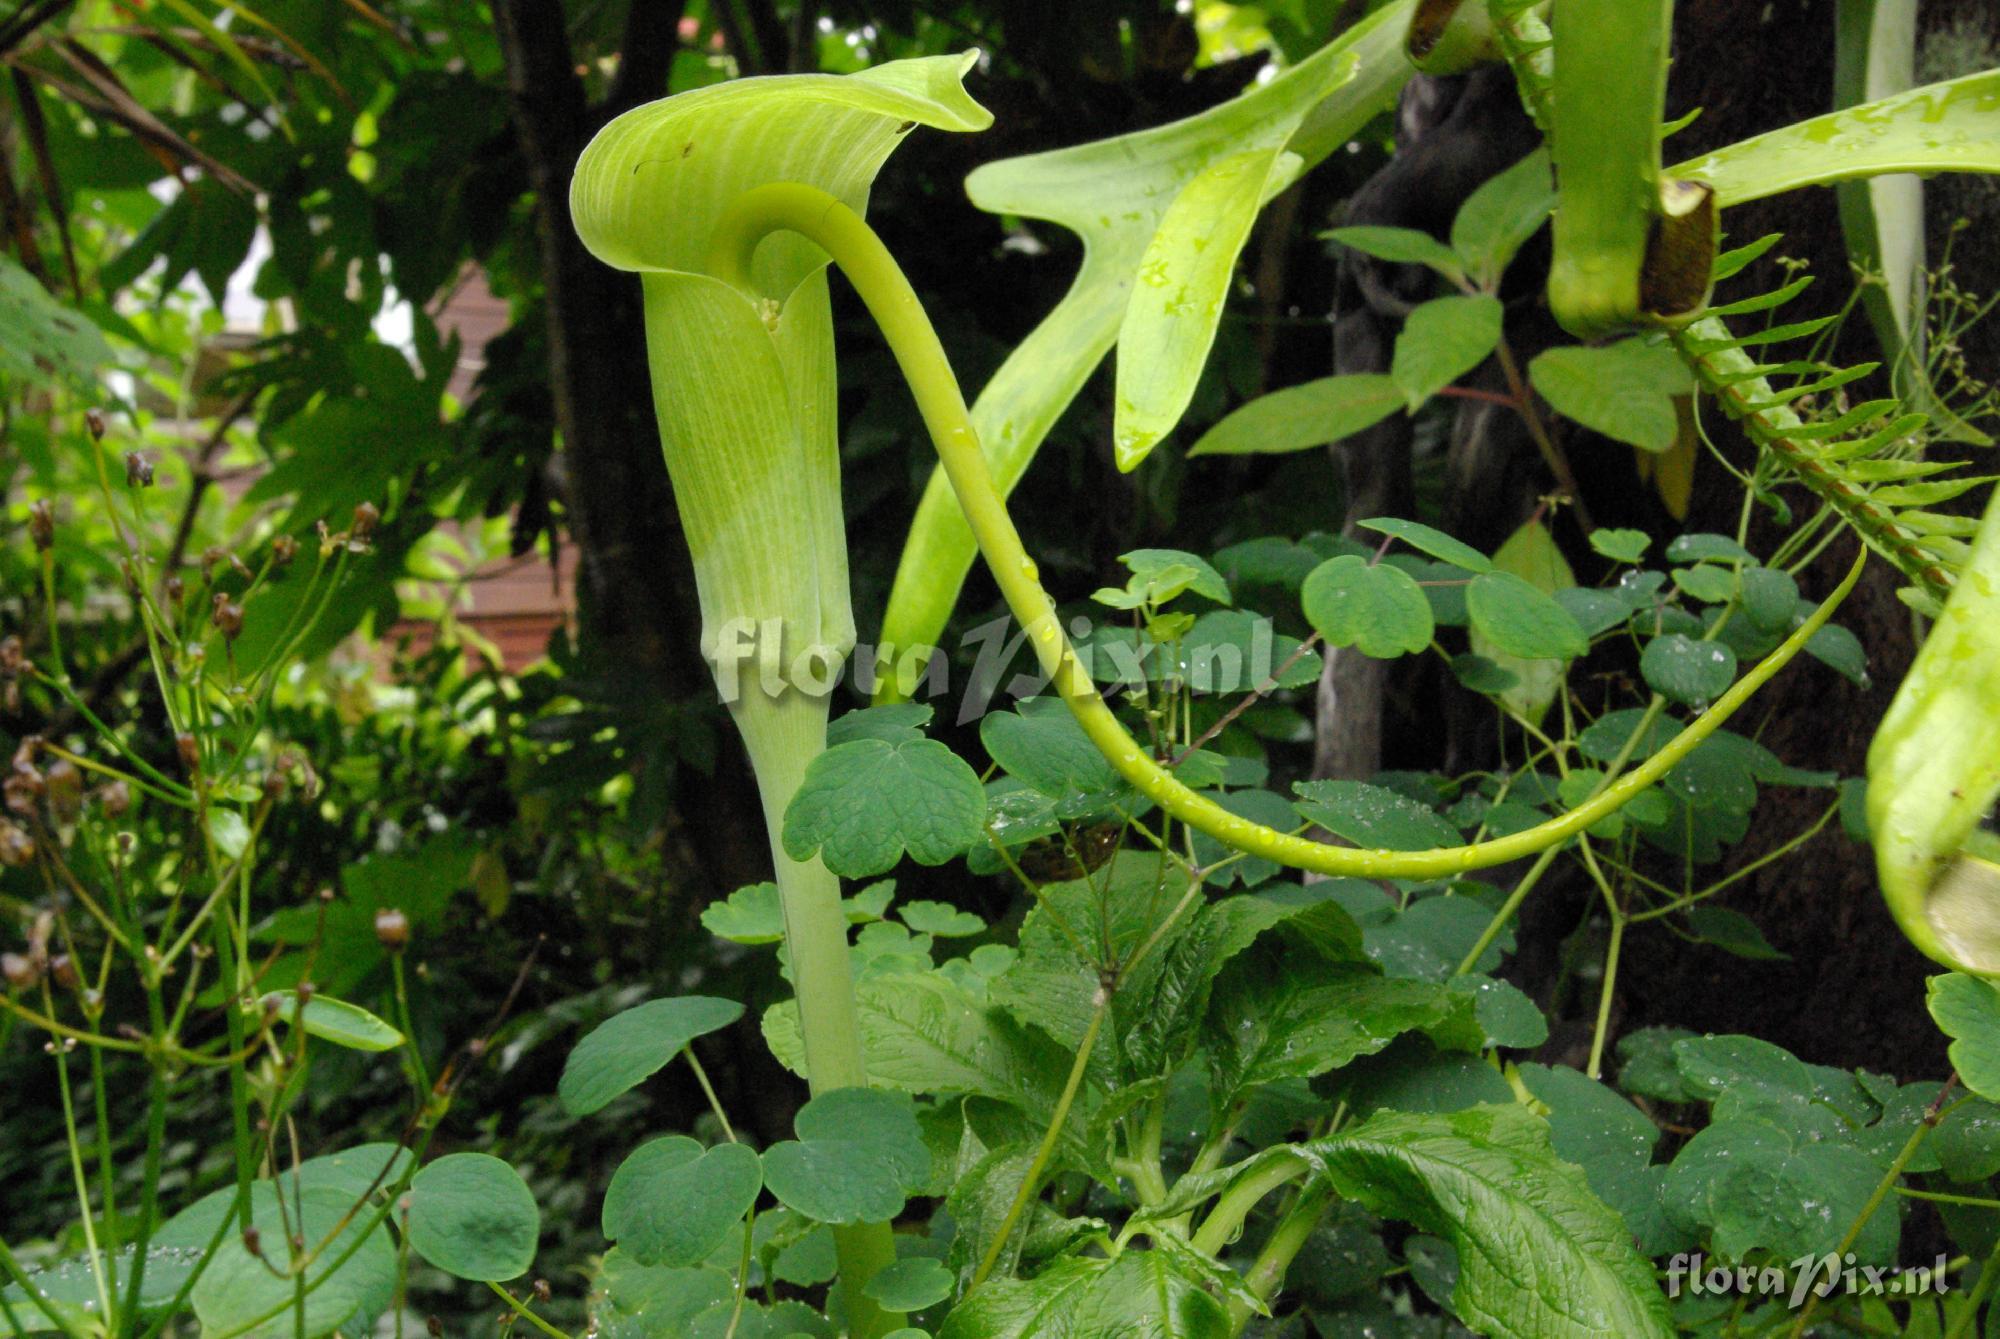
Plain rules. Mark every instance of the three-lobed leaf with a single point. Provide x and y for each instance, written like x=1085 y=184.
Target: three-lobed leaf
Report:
x=865 y=803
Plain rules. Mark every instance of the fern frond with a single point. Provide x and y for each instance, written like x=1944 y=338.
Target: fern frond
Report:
x=1529 y=46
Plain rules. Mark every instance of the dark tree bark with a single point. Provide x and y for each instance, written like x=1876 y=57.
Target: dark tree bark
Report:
x=636 y=591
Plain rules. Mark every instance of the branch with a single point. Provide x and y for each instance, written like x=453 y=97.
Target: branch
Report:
x=645 y=54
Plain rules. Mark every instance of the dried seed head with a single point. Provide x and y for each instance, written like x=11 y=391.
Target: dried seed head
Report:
x=17 y=848
x=176 y=590
x=210 y=558
x=542 y=1290
x=62 y=971
x=283 y=549
x=392 y=929
x=366 y=517
x=93 y=419
x=42 y=525
x=23 y=788
x=116 y=798
x=138 y=470
x=253 y=1241
x=190 y=752
x=20 y=970
x=65 y=790
x=227 y=615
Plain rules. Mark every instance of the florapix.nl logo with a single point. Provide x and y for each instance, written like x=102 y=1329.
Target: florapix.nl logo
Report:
x=1807 y=1276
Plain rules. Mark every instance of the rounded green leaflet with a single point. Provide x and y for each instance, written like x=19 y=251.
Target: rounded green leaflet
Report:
x=1442 y=340
x=865 y=803
x=1436 y=543
x=673 y=1202
x=1522 y=620
x=238 y=1294
x=628 y=1048
x=1687 y=670
x=1377 y=609
x=859 y=1155
x=1967 y=1009
x=473 y=1216
x=911 y=1284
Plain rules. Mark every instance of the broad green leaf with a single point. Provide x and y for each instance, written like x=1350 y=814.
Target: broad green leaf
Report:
x=1770 y=597
x=1947 y=127
x=1114 y=194
x=635 y=1301
x=939 y=918
x=1504 y=1012
x=1402 y=246
x=473 y=1216
x=43 y=339
x=673 y=1202
x=1314 y=413
x=337 y=1021
x=1376 y=608
x=1501 y=215
x=1042 y=745
x=1370 y=816
x=70 y=1286
x=1592 y=1126
x=858 y=1157
x=1688 y=671
x=1595 y=611
x=1206 y=580
x=1624 y=391
x=752 y=914
x=1702 y=547
x=1538 y=1253
x=865 y=803
x=230 y=833
x=1746 y=1078
x=1522 y=621
x=1840 y=651
x=1441 y=341
x=979 y=1202
x=1967 y=1009
x=1733 y=932
x=628 y=1048
x=1143 y=1294
x=910 y=1284
x=1621 y=546
x=1750 y=1185
x=1517 y=624
x=1708 y=584
x=1436 y=543
x=1273 y=1017
x=923 y=1034
x=239 y=1293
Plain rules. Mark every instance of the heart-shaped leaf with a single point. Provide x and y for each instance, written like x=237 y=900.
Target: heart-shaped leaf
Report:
x=859 y=1155
x=865 y=803
x=673 y=1202
x=473 y=1216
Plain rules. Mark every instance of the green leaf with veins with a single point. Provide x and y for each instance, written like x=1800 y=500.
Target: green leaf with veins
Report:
x=673 y=1202
x=472 y=1216
x=1371 y=816
x=1378 y=609
x=1440 y=342
x=1967 y=1009
x=1499 y=217
x=1436 y=543
x=865 y=803
x=1538 y=1253
x=858 y=1157
x=1624 y=391
x=1683 y=669
x=750 y=915
x=910 y=1284
x=1143 y=1294
x=1400 y=246
x=630 y=1047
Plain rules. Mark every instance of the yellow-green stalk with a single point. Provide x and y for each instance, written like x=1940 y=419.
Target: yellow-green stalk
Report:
x=745 y=393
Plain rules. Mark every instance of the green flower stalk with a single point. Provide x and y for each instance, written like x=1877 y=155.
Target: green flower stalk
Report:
x=744 y=390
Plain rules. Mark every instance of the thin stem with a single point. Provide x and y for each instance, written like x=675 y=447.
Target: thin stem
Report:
x=1225 y=1220
x=888 y=296
x=520 y=1309
x=1282 y=1247
x=1030 y=1183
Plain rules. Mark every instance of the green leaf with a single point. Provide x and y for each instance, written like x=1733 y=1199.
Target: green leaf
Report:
x=910 y=1284
x=1621 y=546
x=239 y=1294
x=1841 y=651
x=1115 y=194
x=1624 y=391
x=41 y=338
x=858 y=1157
x=1702 y=547
x=1370 y=816
x=230 y=833
x=473 y=1216
x=1043 y=746
x=939 y=918
x=1708 y=584
x=1375 y=608
x=1401 y=246
x=628 y=1048
x=1682 y=669
x=1756 y=1186
x=1441 y=341
x=1522 y=621
x=1504 y=1012
x=750 y=915
x=1733 y=932
x=1274 y=1017
x=673 y=1202
x=894 y=723
x=635 y=1301
x=337 y=1021
x=1770 y=598
x=863 y=804
x=1499 y=217
x=1947 y=127
x=1206 y=580
x=1482 y=675
x=1436 y=543
x=1967 y=1010
x=1538 y=1253
x=1297 y=418
x=1143 y=1294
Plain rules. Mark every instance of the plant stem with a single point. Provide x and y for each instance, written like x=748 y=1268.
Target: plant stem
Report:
x=1234 y=1204
x=868 y=265
x=1283 y=1246
x=521 y=1309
